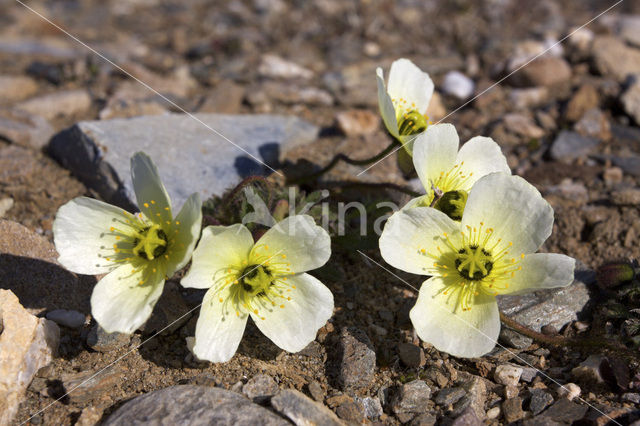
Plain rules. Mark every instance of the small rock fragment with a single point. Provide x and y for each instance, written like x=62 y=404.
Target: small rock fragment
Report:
x=424 y=419
x=357 y=359
x=613 y=58
x=543 y=71
x=84 y=386
x=626 y=197
x=302 y=410
x=507 y=374
x=90 y=416
x=260 y=388
x=569 y=391
x=69 y=103
x=411 y=355
x=585 y=98
x=5 y=205
x=459 y=85
x=594 y=123
x=588 y=372
x=316 y=391
x=25 y=129
x=412 y=397
x=274 y=66
x=71 y=319
x=14 y=88
x=571 y=145
x=372 y=407
x=448 y=396
x=493 y=413
x=351 y=411
x=514 y=339
x=522 y=125
x=539 y=400
x=512 y=410
x=529 y=97
x=357 y=122
x=467 y=418
x=565 y=411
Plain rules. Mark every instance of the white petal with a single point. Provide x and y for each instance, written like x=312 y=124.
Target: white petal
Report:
x=385 y=104
x=81 y=234
x=481 y=156
x=295 y=325
x=513 y=208
x=185 y=229
x=421 y=201
x=220 y=247
x=152 y=197
x=407 y=81
x=409 y=231
x=468 y=334
x=541 y=271
x=298 y=240
x=120 y=303
x=434 y=152
x=218 y=330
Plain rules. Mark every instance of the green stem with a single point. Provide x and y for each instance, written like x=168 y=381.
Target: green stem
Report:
x=341 y=157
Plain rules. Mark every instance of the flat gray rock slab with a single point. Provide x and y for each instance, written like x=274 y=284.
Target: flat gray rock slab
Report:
x=190 y=156
x=187 y=405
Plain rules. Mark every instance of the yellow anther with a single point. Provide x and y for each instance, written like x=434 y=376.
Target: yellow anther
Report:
x=146 y=205
x=153 y=202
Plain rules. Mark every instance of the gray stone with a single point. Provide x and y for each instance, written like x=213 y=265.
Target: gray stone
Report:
x=543 y=71
x=273 y=66
x=23 y=128
x=411 y=355
x=556 y=307
x=631 y=100
x=412 y=397
x=424 y=419
x=316 y=391
x=302 y=410
x=565 y=411
x=507 y=374
x=512 y=410
x=260 y=388
x=192 y=405
x=457 y=84
x=71 y=319
x=528 y=374
x=351 y=411
x=571 y=145
x=357 y=359
x=189 y=155
x=58 y=104
x=588 y=372
x=84 y=386
x=475 y=398
x=514 y=339
x=631 y=397
x=372 y=407
x=594 y=123
x=630 y=29
x=630 y=164
x=14 y=88
x=539 y=400
x=449 y=396
x=101 y=341
x=613 y=58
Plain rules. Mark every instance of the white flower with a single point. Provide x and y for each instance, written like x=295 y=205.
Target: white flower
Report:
x=439 y=164
x=265 y=280
x=403 y=103
x=490 y=252
x=137 y=252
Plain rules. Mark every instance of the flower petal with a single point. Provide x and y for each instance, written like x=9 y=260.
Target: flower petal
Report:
x=218 y=331
x=120 y=302
x=434 y=152
x=407 y=232
x=152 y=197
x=542 y=271
x=297 y=239
x=513 y=208
x=294 y=324
x=407 y=81
x=385 y=104
x=220 y=247
x=81 y=234
x=468 y=334
x=481 y=155
x=185 y=232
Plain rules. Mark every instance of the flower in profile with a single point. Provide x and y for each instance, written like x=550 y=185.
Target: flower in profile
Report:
x=440 y=165
x=403 y=102
x=136 y=251
x=264 y=280
x=490 y=252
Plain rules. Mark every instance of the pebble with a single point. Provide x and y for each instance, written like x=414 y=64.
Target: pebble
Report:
x=475 y=398
x=507 y=374
x=493 y=413
x=629 y=164
x=15 y=88
x=529 y=97
x=512 y=410
x=457 y=84
x=626 y=197
x=90 y=416
x=629 y=29
x=543 y=71
x=570 y=145
x=522 y=125
x=565 y=411
x=71 y=319
x=260 y=388
x=411 y=355
x=25 y=129
x=594 y=123
x=612 y=175
x=528 y=374
x=631 y=99
x=292 y=94
x=101 y=341
x=539 y=400
x=569 y=391
x=351 y=411
x=190 y=157
x=449 y=396
x=412 y=397
x=184 y=405
x=514 y=339
x=467 y=418
x=225 y=98
x=85 y=386
x=584 y=99
x=613 y=58
x=5 y=205
x=631 y=397
x=424 y=419
x=273 y=66
x=27 y=343
x=580 y=40
x=357 y=122
x=372 y=407
x=316 y=391
x=302 y=410
x=588 y=372
x=357 y=359
x=510 y=391
x=65 y=104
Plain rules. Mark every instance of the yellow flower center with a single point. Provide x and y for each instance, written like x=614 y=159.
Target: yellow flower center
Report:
x=150 y=242
x=411 y=123
x=473 y=263
x=452 y=204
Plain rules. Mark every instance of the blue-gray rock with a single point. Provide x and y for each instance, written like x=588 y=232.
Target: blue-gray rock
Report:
x=539 y=400
x=556 y=307
x=260 y=388
x=571 y=145
x=189 y=155
x=192 y=405
x=302 y=410
x=412 y=397
x=355 y=358
x=71 y=319
x=448 y=396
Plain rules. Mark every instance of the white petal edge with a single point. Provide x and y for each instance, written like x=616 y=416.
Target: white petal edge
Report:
x=220 y=247
x=293 y=327
x=387 y=111
x=409 y=231
x=80 y=229
x=513 y=208
x=481 y=155
x=151 y=194
x=467 y=334
x=218 y=330
x=541 y=271
x=303 y=244
x=186 y=228
x=119 y=303
x=409 y=82
x=434 y=152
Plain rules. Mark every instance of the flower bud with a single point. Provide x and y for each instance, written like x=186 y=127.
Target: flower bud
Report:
x=613 y=274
